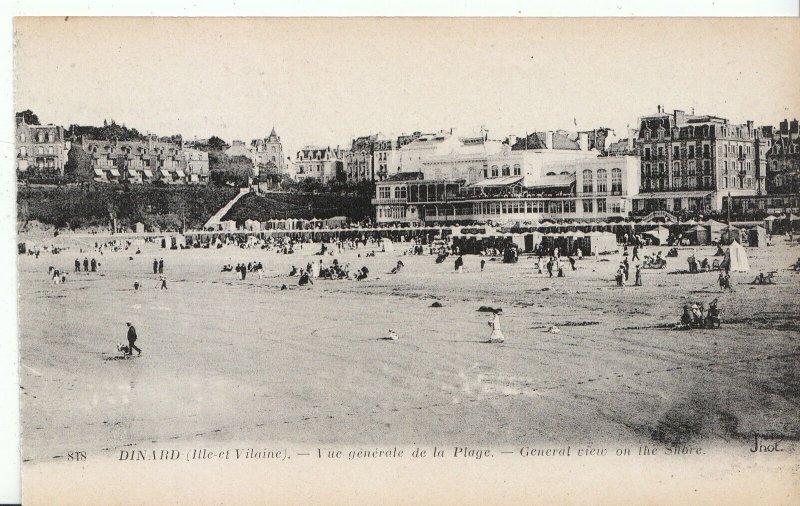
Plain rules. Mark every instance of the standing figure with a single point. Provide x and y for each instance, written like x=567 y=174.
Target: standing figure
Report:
x=94 y=265
x=77 y=265
x=638 y=281
x=497 y=334
x=155 y=266
x=85 y=264
x=161 y=266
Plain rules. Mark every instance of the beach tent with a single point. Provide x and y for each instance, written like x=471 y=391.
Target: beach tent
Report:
x=714 y=229
x=659 y=233
x=252 y=225
x=736 y=258
x=698 y=235
x=387 y=245
x=139 y=227
x=757 y=237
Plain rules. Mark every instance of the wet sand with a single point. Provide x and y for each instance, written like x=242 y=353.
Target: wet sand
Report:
x=230 y=360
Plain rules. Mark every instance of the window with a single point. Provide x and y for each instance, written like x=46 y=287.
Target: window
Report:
x=494 y=171
x=661 y=169
x=706 y=153
x=691 y=151
x=616 y=180
x=587 y=181
x=517 y=170
x=22 y=137
x=384 y=192
x=23 y=151
x=676 y=169
x=602 y=180
x=616 y=207
x=691 y=168
x=506 y=170
x=660 y=152
x=706 y=167
x=601 y=205
x=587 y=206
x=50 y=150
x=646 y=153
x=676 y=183
x=676 y=204
x=676 y=152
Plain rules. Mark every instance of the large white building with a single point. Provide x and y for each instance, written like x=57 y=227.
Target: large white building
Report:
x=545 y=186
x=322 y=163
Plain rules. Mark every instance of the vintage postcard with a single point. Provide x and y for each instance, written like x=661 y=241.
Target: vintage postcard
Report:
x=408 y=260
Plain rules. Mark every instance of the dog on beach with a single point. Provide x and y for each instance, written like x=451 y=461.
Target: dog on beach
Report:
x=124 y=349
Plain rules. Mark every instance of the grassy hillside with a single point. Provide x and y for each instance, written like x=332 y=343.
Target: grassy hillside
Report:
x=292 y=205
x=74 y=207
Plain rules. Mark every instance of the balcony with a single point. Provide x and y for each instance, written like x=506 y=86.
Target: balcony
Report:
x=388 y=201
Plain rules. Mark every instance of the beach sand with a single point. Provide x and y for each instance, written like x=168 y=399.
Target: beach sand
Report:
x=229 y=360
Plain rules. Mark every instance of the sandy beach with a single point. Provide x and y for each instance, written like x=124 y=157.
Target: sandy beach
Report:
x=231 y=360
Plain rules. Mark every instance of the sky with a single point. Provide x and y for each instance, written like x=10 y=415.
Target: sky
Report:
x=323 y=80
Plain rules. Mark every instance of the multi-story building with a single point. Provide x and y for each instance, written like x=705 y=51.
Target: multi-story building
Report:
x=136 y=161
x=322 y=163
x=783 y=160
x=692 y=162
x=386 y=157
x=582 y=188
x=267 y=154
x=40 y=148
x=194 y=163
x=360 y=164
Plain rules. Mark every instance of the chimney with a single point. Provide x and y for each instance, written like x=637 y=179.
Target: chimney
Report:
x=583 y=141
x=784 y=127
x=548 y=143
x=659 y=109
x=794 y=128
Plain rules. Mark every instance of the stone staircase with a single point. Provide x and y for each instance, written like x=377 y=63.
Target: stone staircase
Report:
x=217 y=218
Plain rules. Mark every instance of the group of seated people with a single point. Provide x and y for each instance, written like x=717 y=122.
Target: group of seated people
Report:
x=695 y=316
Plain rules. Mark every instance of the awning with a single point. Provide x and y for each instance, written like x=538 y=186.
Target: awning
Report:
x=98 y=172
x=148 y=173
x=497 y=181
x=180 y=173
x=554 y=181
x=114 y=172
x=164 y=173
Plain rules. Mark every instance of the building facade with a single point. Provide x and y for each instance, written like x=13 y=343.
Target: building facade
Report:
x=386 y=157
x=40 y=148
x=691 y=162
x=783 y=160
x=584 y=188
x=267 y=154
x=137 y=161
x=194 y=163
x=359 y=162
x=324 y=164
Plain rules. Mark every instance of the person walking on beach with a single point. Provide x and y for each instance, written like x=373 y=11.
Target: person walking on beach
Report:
x=163 y=280
x=155 y=266
x=132 y=339
x=635 y=252
x=497 y=334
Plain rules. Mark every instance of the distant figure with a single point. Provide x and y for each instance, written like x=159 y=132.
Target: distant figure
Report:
x=161 y=266
x=155 y=266
x=136 y=285
x=620 y=275
x=305 y=279
x=94 y=265
x=483 y=264
x=638 y=281
x=77 y=265
x=85 y=264
x=163 y=280
x=459 y=264
x=497 y=334
x=132 y=339
x=392 y=335
x=571 y=262
x=635 y=255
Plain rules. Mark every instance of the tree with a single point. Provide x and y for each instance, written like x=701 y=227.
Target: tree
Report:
x=79 y=163
x=29 y=117
x=216 y=143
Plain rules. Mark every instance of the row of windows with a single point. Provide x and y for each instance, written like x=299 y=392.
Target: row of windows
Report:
x=23 y=151
x=602 y=180
x=39 y=137
x=704 y=130
x=392 y=212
